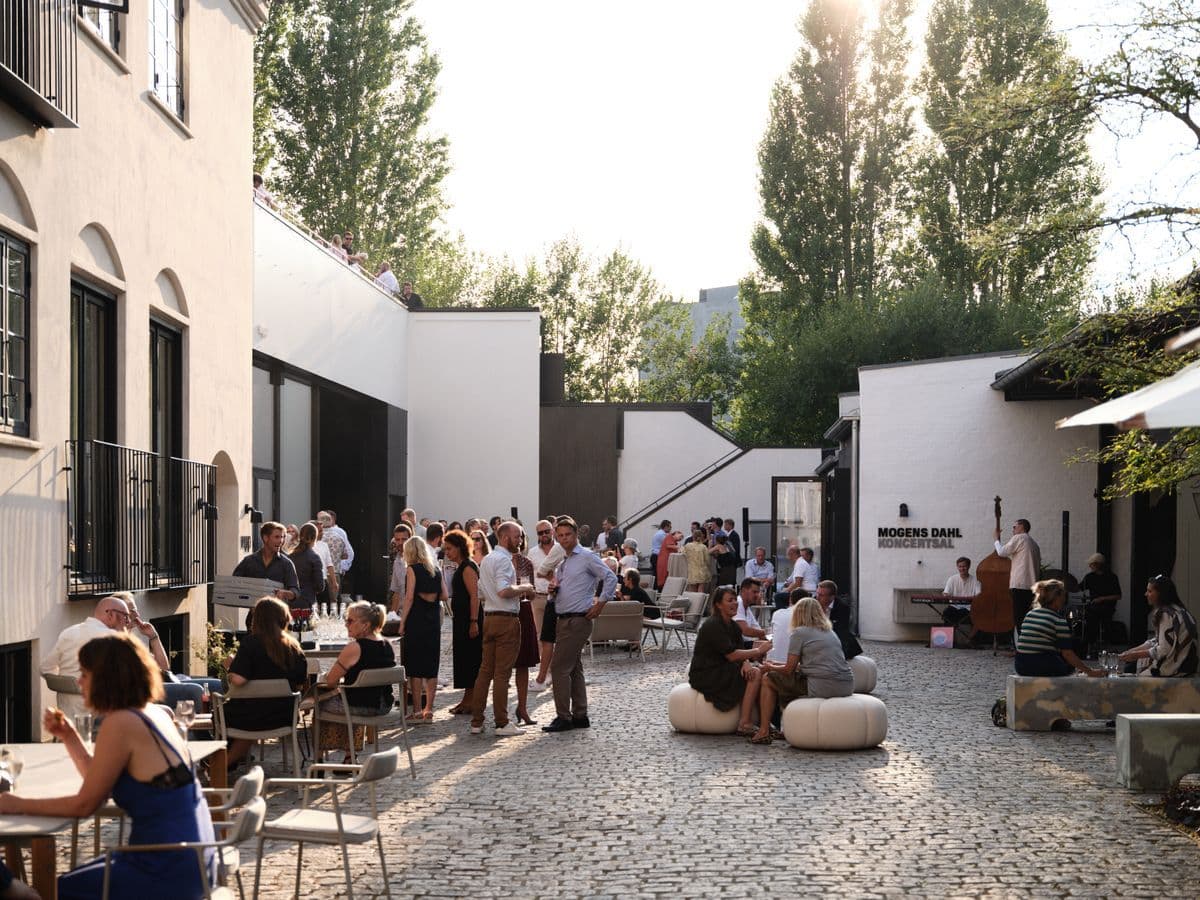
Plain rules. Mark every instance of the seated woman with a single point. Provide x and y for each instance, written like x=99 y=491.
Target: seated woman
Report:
x=268 y=651
x=720 y=668
x=365 y=649
x=1044 y=642
x=1171 y=650
x=142 y=762
x=815 y=666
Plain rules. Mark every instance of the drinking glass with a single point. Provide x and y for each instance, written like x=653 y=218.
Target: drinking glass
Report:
x=83 y=724
x=185 y=712
x=11 y=759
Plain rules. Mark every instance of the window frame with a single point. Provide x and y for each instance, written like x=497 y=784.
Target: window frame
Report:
x=85 y=294
x=9 y=421
x=96 y=18
x=174 y=12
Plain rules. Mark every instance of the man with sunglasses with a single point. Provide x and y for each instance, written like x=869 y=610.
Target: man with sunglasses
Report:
x=111 y=614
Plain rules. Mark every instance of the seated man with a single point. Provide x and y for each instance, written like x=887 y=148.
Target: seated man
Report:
x=962 y=584
x=795 y=580
x=748 y=596
x=838 y=613
x=762 y=570
x=111 y=614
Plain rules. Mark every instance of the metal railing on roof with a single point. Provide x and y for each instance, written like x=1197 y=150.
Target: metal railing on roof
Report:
x=38 y=59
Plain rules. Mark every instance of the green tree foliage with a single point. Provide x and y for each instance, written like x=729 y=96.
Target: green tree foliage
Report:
x=981 y=182
x=353 y=90
x=792 y=399
x=269 y=47
x=1120 y=351
x=832 y=156
x=676 y=368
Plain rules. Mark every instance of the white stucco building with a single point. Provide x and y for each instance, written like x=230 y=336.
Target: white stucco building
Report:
x=124 y=164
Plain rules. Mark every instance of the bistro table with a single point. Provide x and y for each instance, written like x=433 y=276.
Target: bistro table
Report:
x=49 y=772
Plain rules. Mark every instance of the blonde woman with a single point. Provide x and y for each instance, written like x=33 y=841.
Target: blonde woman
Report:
x=421 y=625
x=699 y=562
x=366 y=649
x=815 y=666
x=479 y=546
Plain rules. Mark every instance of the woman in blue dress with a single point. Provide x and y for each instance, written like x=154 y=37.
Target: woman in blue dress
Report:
x=142 y=763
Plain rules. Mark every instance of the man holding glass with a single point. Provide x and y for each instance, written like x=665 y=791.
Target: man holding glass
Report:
x=111 y=614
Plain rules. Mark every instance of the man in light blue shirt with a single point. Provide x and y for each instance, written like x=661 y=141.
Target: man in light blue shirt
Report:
x=576 y=604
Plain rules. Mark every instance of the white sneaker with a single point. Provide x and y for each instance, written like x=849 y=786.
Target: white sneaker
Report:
x=538 y=686
x=476 y=729
x=508 y=730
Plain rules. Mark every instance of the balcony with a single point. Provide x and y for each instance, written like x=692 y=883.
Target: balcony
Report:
x=37 y=60
x=137 y=521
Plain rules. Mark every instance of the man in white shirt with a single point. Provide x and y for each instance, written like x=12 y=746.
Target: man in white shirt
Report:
x=410 y=516
x=111 y=614
x=762 y=570
x=545 y=555
x=341 y=552
x=962 y=584
x=811 y=577
x=386 y=278
x=501 y=629
x=795 y=580
x=748 y=596
x=1026 y=558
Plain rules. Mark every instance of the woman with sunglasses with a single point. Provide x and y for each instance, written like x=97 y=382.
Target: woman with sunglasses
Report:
x=1170 y=652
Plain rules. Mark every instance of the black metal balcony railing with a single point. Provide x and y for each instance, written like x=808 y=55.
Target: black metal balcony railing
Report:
x=137 y=521
x=37 y=59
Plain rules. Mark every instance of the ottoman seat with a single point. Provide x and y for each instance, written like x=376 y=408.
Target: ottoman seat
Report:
x=689 y=712
x=866 y=674
x=838 y=723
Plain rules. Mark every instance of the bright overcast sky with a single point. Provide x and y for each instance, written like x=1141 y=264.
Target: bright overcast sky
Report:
x=636 y=125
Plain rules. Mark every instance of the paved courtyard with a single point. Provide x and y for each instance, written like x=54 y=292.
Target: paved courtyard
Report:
x=949 y=806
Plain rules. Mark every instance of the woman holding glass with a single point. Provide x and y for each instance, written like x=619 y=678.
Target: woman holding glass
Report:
x=1171 y=650
x=1045 y=643
x=421 y=625
x=142 y=762
x=721 y=669
x=467 y=611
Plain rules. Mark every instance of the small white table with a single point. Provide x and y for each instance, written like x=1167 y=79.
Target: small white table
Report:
x=49 y=772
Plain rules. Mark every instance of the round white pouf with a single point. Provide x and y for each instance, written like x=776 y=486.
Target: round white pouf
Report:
x=689 y=712
x=865 y=674
x=836 y=723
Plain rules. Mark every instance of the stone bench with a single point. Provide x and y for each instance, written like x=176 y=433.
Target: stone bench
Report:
x=1154 y=750
x=1035 y=703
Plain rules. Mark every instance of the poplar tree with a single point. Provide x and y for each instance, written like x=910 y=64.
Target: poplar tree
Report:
x=833 y=162
x=354 y=89
x=980 y=184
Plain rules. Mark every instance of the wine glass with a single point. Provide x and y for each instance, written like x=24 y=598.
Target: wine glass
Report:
x=83 y=725
x=185 y=714
x=16 y=762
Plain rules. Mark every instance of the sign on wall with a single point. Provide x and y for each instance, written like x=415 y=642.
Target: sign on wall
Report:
x=933 y=538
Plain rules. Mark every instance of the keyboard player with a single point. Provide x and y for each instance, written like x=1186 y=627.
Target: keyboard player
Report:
x=962 y=585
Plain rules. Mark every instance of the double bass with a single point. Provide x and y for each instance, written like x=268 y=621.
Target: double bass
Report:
x=992 y=610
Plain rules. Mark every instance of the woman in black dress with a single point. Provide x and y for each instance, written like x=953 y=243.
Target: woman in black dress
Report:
x=310 y=572
x=268 y=651
x=366 y=649
x=721 y=670
x=467 y=610
x=421 y=625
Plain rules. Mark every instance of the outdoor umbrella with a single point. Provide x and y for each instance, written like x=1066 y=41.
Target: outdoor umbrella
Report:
x=1171 y=403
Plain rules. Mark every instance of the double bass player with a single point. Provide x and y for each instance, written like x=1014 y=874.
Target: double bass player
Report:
x=1026 y=557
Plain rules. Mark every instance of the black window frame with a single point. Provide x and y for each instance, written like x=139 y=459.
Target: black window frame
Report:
x=106 y=21
x=83 y=295
x=166 y=535
x=15 y=400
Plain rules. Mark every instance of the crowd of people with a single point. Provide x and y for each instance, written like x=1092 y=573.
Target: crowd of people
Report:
x=341 y=246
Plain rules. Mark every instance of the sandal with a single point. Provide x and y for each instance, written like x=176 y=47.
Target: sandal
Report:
x=762 y=738
x=746 y=731
x=419 y=718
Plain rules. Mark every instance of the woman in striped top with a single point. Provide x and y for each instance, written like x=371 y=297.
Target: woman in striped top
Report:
x=1044 y=645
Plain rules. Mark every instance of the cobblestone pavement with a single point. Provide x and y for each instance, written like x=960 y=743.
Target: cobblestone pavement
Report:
x=950 y=805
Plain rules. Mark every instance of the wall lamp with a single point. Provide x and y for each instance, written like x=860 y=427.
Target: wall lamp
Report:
x=904 y=510
x=256 y=515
